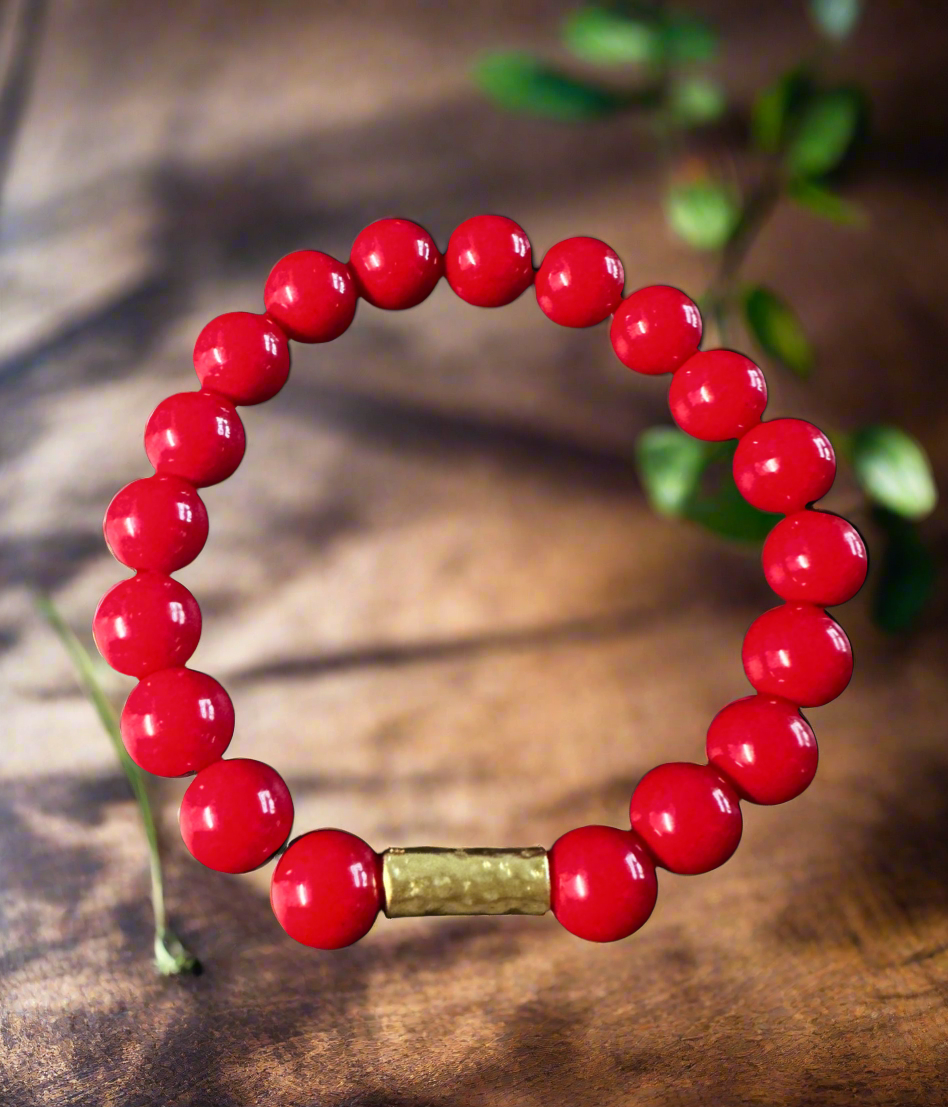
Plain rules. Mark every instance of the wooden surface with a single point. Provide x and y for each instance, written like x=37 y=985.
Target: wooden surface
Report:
x=435 y=592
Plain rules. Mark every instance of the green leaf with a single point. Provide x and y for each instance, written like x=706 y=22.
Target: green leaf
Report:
x=604 y=37
x=670 y=464
x=908 y=574
x=836 y=18
x=893 y=470
x=521 y=82
x=777 y=330
x=777 y=107
x=719 y=507
x=696 y=100
x=703 y=213
x=826 y=204
x=688 y=39
x=824 y=133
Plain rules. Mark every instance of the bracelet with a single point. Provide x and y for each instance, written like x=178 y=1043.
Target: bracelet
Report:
x=600 y=881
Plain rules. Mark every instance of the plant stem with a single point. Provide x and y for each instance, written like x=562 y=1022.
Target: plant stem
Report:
x=171 y=957
x=719 y=296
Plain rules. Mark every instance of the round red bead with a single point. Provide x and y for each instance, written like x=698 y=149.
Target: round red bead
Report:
x=688 y=815
x=327 y=889
x=177 y=721
x=146 y=623
x=814 y=557
x=242 y=356
x=764 y=747
x=235 y=815
x=396 y=264
x=158 y=523
x=783 y=465
x=580 y=282
x=603 y=883
x=489 y=261
x=197 y=436
x=656 y=329
x=311 y=295
x=717 y=394
x=797 y=652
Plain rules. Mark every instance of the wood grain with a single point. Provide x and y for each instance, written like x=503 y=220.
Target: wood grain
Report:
x=434 y=562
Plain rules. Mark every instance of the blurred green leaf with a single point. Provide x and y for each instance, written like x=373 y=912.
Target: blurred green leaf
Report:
x=777 y=330
x=907 y=577
x=670 y=464
x=893 y=470
x=605 y=37
x=826 y=204
x=521 y=82
x=837 y=19
x=720 y=508
x=777 y=107
x=703 y=213
x=696 y=100
x=824 y=133
x=687 y=38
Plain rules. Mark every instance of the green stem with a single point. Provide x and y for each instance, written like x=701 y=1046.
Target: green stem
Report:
x=171 y=957
x=720 y=294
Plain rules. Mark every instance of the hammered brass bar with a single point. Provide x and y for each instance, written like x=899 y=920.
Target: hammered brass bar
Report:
x=430 y=880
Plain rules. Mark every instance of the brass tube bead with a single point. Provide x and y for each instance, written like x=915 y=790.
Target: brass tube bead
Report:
x=430 y=880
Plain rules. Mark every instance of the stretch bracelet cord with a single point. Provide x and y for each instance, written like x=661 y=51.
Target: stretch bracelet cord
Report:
x=600 y=881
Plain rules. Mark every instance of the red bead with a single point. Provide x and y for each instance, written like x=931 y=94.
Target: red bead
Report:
x=327 y=889
x=156 y=523
x=603 y=883
x=146 y=623
x=717 y=394
x=688 y=815
x=242 y=356
x=177 y=721
x=799 y=653
x=764 y=747
x=311 y=295
x=814 y=557
x=197 y=436
x=235 y=815
x=489 y=261
x=580 y=282
x=396 y=264
x=783 y=465
x=656 y=329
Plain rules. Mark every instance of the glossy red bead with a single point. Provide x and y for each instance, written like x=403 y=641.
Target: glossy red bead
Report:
x=764 y=747
x=197 y=436
x=156 y=523
x=489 y=261
x=311 y=295
x=814 y=557
x=783 y=465
x=656 y=329
x=146 y=623
x=177 y=721
x=717 y=394
x=242 y=356
x=327 y=889
x=603 y=883
x=396 y=264
x=580 y=282
x=797 y=652
x=688 y=815
x=235 y=815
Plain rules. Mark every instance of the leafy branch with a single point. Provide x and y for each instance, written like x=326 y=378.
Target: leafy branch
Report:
x=801 y=133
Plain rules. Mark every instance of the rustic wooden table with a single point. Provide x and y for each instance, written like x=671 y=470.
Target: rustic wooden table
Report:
x=443 y=609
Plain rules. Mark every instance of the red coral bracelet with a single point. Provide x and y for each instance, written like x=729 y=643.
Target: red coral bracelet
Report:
x=329 y=886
